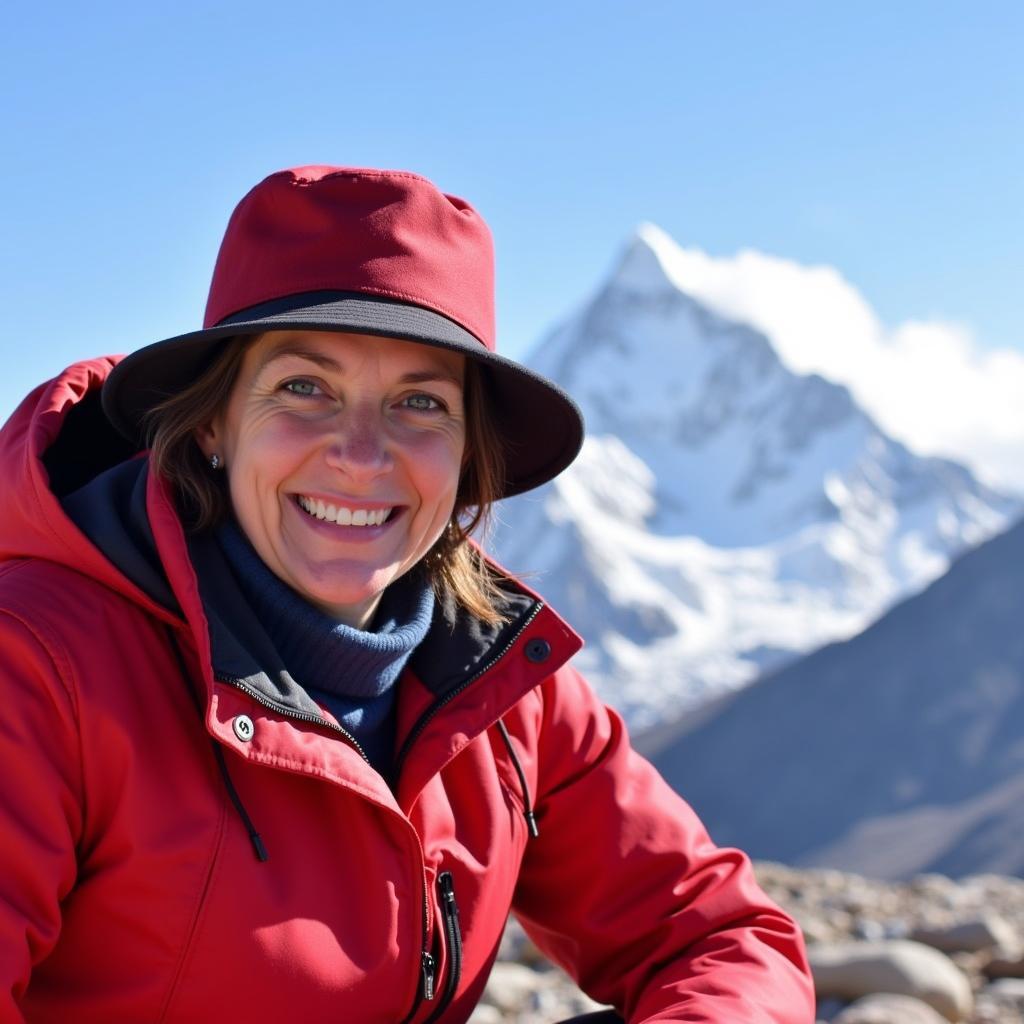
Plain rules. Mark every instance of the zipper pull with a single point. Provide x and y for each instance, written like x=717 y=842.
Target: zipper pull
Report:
x=444 y=883
x=429 y=965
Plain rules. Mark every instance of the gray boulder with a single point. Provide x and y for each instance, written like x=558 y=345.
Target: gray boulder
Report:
x=884 y=1008
x=1007 y=990
x=972 y=936
x=855 y=969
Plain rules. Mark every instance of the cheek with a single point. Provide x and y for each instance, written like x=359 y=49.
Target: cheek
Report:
x=262 y=459
x=436 y=472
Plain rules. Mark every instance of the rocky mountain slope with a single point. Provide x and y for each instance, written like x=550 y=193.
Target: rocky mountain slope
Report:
x=896 y=752
x=726 y=514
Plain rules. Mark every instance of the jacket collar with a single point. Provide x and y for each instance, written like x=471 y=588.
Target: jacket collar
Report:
x=130 y=517
x=458 y=651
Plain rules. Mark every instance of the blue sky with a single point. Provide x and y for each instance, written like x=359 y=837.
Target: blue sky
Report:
x=884 y=140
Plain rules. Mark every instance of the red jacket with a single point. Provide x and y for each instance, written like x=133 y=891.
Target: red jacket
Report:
x=140 y=741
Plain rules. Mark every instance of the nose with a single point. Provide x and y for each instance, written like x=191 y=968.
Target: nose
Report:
x=359 y=445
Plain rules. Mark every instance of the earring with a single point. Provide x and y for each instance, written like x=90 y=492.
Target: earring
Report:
x=215 y=461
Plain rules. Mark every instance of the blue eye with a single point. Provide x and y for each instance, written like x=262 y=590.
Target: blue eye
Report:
x=300 y=387
x=422 y=403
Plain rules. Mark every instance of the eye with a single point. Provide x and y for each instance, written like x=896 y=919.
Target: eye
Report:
x=422 y=403
x=301 y=386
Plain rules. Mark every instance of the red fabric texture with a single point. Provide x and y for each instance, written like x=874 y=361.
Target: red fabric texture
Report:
x=392 y=234
x=129 y=890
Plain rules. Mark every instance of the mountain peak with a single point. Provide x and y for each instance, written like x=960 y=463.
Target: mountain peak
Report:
x=744 y=513
x=650 y=261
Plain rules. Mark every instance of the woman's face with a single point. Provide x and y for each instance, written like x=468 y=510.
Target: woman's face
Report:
x=343 y=454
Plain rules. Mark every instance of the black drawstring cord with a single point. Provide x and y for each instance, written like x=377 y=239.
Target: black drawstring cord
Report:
x=531 y=818
x=254 y=836
x=218 y=753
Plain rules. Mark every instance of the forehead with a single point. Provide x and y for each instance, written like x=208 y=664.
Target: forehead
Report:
x=350 y=353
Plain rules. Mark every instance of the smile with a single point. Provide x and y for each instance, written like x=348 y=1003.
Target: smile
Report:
x=342 y=515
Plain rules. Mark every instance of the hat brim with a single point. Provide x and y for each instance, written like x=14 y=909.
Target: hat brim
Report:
x=540 y=426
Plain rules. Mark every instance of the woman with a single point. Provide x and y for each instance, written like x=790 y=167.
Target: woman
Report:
x=278 y=742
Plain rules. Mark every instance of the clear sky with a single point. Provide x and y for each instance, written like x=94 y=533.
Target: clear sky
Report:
x=883 y=139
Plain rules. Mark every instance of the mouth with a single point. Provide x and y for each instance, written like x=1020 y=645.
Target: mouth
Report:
x=343 y=515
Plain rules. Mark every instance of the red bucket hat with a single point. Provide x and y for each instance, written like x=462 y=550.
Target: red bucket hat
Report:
x=371 y=252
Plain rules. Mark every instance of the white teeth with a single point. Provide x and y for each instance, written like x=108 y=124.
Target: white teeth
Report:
x=344 y=516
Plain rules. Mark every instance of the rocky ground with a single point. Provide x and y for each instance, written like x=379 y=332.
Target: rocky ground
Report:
x=919 y=952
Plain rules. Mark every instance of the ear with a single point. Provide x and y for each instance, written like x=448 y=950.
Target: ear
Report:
x=206 y=437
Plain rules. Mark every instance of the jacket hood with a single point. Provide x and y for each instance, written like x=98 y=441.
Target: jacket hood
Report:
x=55 y=443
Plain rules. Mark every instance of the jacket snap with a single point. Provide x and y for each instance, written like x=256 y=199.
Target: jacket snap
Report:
x=244 y=729
x=538 y=650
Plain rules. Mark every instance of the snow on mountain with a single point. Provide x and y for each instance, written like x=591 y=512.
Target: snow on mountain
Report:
x=897 y=752
x=726 y=514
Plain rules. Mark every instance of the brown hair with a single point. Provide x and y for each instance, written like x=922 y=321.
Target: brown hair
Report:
x=455 y=566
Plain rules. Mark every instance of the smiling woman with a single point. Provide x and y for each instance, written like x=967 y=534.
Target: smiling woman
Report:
x=238 y=587
x=458 y=571
x=320 y=421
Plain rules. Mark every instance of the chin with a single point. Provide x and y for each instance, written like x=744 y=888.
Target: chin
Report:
x=358 y=589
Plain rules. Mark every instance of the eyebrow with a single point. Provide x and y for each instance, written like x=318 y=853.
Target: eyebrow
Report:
x=302 y=353
x=329 y=363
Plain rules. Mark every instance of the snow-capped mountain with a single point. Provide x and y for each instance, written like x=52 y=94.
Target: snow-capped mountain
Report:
x=726 y=513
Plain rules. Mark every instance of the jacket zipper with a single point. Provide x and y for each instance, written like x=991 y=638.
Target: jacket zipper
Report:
x=450 y=909
x=434 y=708
x=428 y=964
x=300 y=716
x=453 y=936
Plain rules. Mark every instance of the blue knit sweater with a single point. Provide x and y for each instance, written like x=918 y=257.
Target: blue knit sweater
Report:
x=351 y=672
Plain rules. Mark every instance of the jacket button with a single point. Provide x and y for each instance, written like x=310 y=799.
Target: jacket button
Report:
x=243 y=727
x=538 y=650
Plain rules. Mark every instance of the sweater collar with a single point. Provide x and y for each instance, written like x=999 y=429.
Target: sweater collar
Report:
x=320 y=652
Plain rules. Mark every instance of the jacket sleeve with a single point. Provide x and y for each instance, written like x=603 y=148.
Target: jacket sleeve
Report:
x=625 y=890
x=40 y=817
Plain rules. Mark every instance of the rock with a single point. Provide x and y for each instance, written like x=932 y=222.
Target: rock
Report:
x=828 y=1009
x=830 y=906
x=1007 y=990
x=851 y=970
x=841 y=920
x=512 y=988
x=484 y=1014
x=937 y=888
x=1002 y=1001
x=883 y=1008
x=816 y=931
x=517 y=994
x=971 y=936
x=518 y=946
x=1002 y=966
x=870 y=929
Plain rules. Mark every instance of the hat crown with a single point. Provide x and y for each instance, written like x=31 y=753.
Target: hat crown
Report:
x=389 y=234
